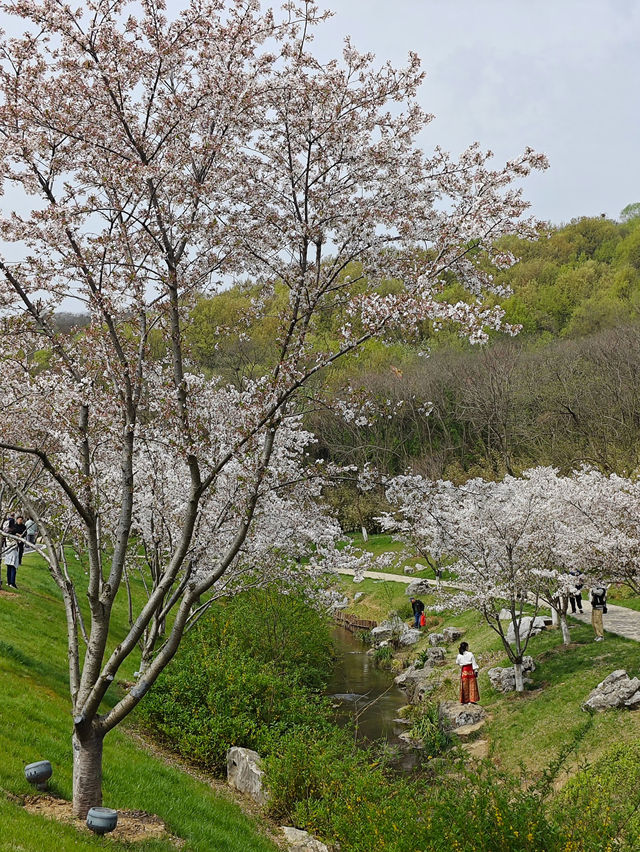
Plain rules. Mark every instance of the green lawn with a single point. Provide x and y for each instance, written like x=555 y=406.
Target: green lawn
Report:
x=35 y=723
x=381 y=543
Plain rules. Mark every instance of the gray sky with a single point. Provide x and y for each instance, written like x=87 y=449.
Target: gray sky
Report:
x=560 y=75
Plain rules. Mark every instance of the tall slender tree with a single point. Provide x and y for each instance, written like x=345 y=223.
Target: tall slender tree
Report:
x=146 y=160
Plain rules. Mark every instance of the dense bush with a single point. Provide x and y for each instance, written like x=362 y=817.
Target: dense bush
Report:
x=249 y=672
x=431 y=729
x=339 y=792
x=600 y=807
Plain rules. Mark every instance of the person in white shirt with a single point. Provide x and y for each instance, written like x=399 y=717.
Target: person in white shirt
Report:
x=468 y=675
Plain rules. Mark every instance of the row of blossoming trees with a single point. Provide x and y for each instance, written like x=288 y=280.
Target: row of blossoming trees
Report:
x=518 y=544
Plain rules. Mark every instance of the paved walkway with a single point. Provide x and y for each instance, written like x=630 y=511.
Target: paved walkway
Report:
x=619 y=619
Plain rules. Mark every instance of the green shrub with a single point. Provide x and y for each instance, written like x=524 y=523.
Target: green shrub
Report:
x=488 y=811
x=431 y=729
x=335 y=790
x=600 y=807
x=251 y=671
x=383 y=656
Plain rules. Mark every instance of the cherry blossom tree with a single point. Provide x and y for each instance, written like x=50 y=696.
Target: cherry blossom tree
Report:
x=603 y=539
x=147 y=161
x=503 y=541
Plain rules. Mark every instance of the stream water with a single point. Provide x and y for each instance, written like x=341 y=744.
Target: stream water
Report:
x=364 y=692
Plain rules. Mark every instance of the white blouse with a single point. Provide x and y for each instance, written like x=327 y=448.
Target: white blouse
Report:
x=467 y=659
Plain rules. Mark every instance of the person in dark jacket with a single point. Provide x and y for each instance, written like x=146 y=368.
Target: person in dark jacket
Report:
x=418 y=608
x=20 y=529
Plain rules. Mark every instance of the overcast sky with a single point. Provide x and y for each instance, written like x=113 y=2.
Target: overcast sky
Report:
x=560 y=75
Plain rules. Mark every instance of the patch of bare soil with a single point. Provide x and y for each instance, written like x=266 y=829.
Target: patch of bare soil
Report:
x=132 y=826
x=5 y=593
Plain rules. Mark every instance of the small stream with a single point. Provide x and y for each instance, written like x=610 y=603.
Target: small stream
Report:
x=362 y=690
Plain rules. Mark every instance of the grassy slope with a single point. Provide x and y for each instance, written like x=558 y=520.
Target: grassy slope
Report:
x=35 y=724
x=531 y=728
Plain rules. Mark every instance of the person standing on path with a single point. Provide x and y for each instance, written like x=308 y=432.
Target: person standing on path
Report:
x=469 y=693
x=418 y=608
x=598 y=608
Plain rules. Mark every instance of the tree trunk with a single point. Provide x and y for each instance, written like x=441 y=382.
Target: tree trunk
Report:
x=517 y=667
x=87 y=769
x=566 y=638
x=554 y=617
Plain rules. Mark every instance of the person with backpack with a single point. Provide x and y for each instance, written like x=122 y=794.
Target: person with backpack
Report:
x=418 y=608
x=598 y=609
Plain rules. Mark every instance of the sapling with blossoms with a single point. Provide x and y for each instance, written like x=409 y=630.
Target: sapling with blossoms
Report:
x=150 y=159
x=500 y=536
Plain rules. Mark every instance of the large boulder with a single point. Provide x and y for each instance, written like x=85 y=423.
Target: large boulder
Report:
x=393 y=628
x=616 y=690
x=435 y=656
x=436 y=638
x=504 y=679
x=461 y=715
x=302 y=841
x=451 y=634
x=415 y=681
x=528 y=625
x=418 y=587
x=244 y=773
x=410 y=637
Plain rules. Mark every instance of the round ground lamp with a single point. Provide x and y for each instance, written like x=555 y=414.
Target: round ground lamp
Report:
x=102 y=820
x=38 y=773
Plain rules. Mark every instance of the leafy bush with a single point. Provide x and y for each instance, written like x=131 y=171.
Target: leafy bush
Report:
x=600 y=807
x=335 y=790
x=250 y=672
x=431 y=729
x=383 y=656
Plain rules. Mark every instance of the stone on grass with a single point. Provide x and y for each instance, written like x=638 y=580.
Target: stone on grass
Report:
x=461 y=715
x=357 y=596
x=436 y=638
x=418 y=587
x=616 y=690
x=302 y=841
x=410 y=637
x=451 y=634
x=504 y=679
x=244 y=773
x=415 y=682
x=528 y=624
x=436 y=655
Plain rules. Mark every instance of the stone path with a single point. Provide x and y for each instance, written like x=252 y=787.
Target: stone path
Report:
x=400 y=578
x=619 y=619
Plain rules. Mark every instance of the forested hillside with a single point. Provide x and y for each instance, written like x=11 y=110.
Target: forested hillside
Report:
x=564 y=391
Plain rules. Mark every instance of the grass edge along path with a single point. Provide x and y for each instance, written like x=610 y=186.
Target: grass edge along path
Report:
x=35 y=724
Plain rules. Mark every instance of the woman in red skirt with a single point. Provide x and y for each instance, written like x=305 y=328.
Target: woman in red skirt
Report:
x=468 y=675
